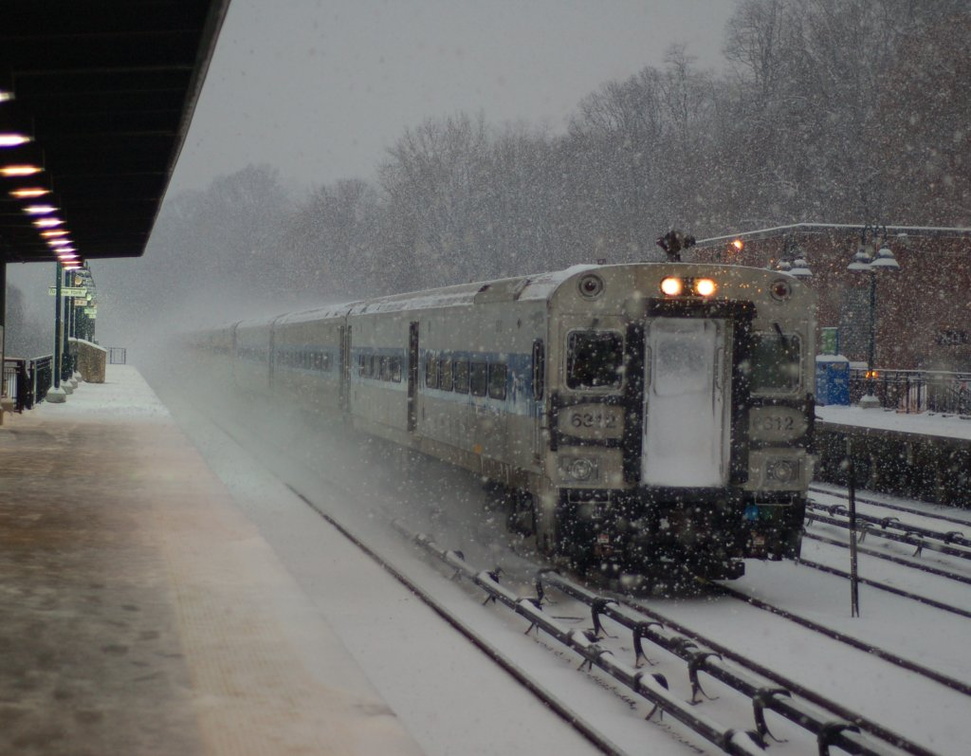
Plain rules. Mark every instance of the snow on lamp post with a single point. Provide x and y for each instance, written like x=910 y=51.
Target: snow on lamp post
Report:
x=866 y=261
x=793 y=260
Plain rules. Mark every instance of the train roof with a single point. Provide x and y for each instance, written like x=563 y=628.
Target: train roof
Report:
x=533 y=287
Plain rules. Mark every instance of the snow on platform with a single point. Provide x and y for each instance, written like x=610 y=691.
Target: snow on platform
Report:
x=142 y=612
x=925 y=423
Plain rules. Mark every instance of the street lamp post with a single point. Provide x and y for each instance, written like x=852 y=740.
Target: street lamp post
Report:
x=867 y=261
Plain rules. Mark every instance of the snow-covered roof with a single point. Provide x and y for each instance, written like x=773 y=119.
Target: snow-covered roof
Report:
x=532 y=287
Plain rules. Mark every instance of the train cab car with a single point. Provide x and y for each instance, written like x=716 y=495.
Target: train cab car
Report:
x=642 y=418
x=680 y=417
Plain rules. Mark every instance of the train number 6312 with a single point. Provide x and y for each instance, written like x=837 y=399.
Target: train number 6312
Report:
x=603 y=420
x=777 y=423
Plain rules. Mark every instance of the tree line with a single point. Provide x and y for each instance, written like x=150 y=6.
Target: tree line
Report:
x=837 y=111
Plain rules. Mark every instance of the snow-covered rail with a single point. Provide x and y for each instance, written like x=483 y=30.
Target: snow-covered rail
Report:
x=947 y=513
x=831 y=724
x=952 y=542
x=653 y=688
x=904 y=562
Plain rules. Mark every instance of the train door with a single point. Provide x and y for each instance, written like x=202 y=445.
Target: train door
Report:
x=687 y=404
x=412 y=376
x=345 y=367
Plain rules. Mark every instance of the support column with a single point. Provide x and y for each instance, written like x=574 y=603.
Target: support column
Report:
x=57 y=395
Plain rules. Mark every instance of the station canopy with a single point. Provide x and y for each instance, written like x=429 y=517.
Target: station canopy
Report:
x=103 y=92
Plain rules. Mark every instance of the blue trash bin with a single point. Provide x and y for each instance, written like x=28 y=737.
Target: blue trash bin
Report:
x=832 y=380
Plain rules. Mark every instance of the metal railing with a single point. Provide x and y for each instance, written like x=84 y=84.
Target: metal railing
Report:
x=26 y=382
x=915 y=390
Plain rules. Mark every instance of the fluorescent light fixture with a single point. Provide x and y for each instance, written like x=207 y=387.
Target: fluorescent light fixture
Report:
x=19 y=170
x=29 y=192
x=40 y=209
x=48 y=222
x=5 y=95
x=11 y=139
x=54 y=233
x=59 y=242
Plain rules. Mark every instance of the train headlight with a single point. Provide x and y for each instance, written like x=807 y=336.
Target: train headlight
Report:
x=782 y=471
x=672 y=286
x=579 y=469
x=704 y=287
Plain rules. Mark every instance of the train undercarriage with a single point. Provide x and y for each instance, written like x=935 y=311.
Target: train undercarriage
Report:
x=665 y=534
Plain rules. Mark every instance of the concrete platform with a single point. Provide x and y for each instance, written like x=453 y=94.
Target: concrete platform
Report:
x=142 y=613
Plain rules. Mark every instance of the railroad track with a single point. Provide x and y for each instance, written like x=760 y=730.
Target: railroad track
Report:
x=841 y=493
x=896 y=660
x=892 y=558
x=646 y=687
x=951 y=545
x=828 y=723
x=830 y=726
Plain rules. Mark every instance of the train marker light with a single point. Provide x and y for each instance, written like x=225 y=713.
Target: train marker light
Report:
x=672 y=286
x=705 y=287
x=780 y=290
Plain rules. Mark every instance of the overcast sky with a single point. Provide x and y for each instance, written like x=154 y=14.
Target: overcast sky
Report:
x=320 y=88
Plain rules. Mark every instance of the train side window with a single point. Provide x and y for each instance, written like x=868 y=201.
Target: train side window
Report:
x=431 y=371
x=460 y=376
x=385 y=368
x=539 y=369
x=360 y=365
x=445 y=374
x=775 y=363
x=594 y=360
x=371 y=366
x=396 y=369
x=497 y=380
x=478 y=379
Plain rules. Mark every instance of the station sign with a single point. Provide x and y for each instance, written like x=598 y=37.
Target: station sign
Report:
x=68 y=291
x=91 y=312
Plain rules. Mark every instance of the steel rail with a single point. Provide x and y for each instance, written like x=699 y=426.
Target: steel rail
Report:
x=766 y=689
x=887 y=588
x=897 y=661
x=652 y=688
x=894 y=507
x=892 y=558
x=919 y=543
x=892 y=523
x=572 y=717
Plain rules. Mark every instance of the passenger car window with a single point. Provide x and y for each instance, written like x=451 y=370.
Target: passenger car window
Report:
x=431 y=371
x=445 y=374
x=478 y=379
x=497 y=380
x=460 y=377
x=594 y=359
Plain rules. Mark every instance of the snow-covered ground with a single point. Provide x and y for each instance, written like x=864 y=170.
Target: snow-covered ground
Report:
x=454 y=699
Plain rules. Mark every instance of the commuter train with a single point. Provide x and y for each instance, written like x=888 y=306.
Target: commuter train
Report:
x=638 y=419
